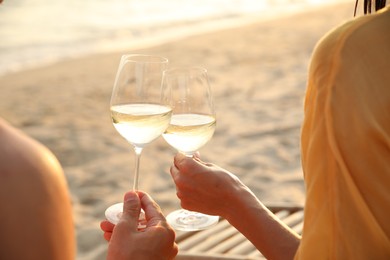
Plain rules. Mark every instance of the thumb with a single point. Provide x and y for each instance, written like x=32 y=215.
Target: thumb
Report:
x=131 y=209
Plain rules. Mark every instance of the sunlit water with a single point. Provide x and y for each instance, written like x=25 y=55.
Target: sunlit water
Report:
x=42 y=31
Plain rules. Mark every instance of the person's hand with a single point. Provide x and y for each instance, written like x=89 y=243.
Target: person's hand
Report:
x=205 y=187
x=156 y=241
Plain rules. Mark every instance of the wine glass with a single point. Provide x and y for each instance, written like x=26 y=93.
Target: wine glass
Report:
x=140 y=108
x=192 y=126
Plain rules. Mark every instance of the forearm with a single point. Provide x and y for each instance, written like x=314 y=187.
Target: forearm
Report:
x=209 y=189
x=272 y=237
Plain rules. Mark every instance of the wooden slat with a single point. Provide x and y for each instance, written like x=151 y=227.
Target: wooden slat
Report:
x=214 y=240
x=199 y=237
x=223 y=241
x=228 y=244
x=243 y=248
x=187 y=256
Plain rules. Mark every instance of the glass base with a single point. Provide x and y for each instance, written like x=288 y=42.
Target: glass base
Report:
x=185 y=220
x=114 y=213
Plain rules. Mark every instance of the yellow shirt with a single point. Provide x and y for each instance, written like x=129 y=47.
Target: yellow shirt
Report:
x=346 y=143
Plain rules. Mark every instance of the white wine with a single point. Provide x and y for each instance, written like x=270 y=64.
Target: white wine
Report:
x=188 y=132
x=140 y=123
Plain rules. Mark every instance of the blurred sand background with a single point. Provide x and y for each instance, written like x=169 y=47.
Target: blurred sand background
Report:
x=258 y=75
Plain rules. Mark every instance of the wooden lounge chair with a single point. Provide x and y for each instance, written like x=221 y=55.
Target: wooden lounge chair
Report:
x=223 y=241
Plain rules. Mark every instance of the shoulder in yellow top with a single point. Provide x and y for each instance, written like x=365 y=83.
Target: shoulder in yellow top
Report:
x=346 y=143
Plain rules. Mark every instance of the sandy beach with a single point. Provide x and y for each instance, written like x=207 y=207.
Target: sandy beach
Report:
x=258 y=75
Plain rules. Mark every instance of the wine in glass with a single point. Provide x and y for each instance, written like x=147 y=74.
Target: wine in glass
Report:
x=140 y=108
x=192 y=126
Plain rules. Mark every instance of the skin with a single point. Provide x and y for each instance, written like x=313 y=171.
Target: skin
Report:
x=37 y=214
x=156 y=241
x=200 y=187
x=36 y=220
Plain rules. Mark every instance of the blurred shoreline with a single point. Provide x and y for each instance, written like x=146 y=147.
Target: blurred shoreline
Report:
x=38 y=34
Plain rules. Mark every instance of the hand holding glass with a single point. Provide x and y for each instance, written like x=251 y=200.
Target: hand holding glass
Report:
x=192 y=126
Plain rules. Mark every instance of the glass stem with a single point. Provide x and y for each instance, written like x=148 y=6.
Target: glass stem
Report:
x=138 y=151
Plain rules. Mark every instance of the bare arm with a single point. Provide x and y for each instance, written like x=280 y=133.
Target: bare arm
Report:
x=36 y=220
x=272 y=237
x=212 y=190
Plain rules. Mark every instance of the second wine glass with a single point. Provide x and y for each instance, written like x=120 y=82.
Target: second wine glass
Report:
x=192 y=126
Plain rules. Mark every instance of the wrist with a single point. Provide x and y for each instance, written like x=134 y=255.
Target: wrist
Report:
x=239 y=201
